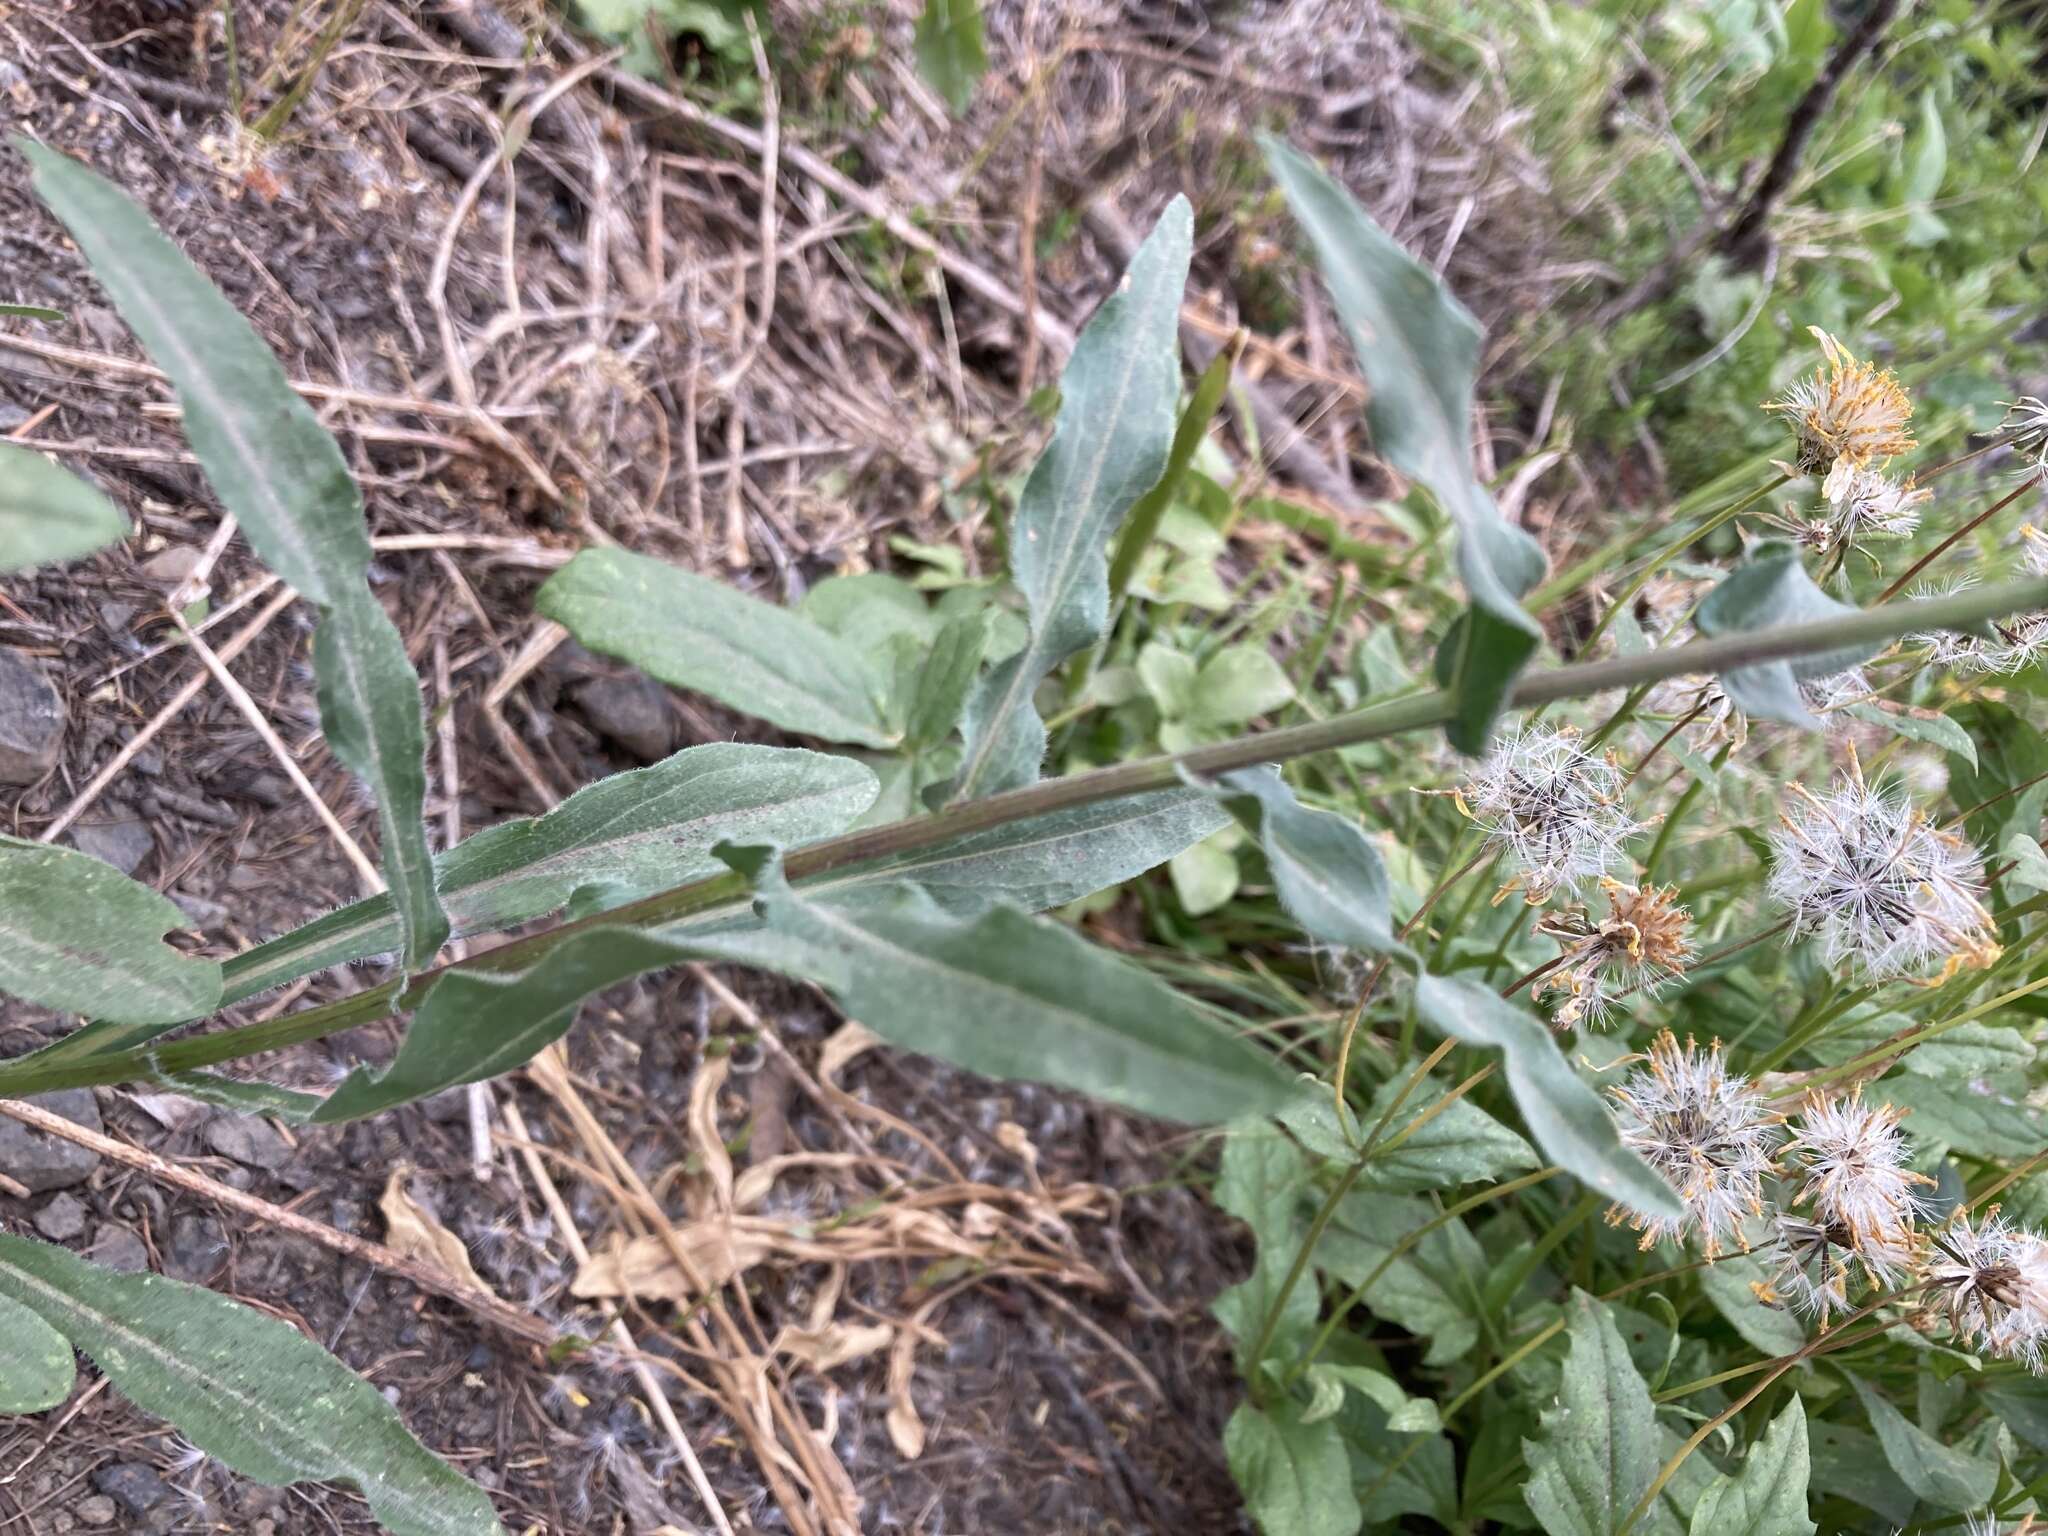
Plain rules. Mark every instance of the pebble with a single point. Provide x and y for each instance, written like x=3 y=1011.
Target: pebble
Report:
x=134 y=1485
x=97 y=1510
x=171 y=566
x=122 y=840
x=120 y=1250
x=249 y=1141
x=62 y=1219
x=31 y=720
x=634 y=712
x=42 y=1163
x=197 y=1247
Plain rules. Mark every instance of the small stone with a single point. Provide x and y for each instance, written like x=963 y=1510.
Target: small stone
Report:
x=635 y=712
x=120 y=1250
x=97 y=1510
x=168 y=567
x=197 y=1246
x=248 y=1140
x=31 y=720
x=123 y=840
x=62 y=1219
x=134 y=1485
x=203 y=911
x=42 y=1163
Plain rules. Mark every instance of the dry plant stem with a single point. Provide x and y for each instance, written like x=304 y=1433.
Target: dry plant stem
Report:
x=650 y=1388
x=1416 y=712
x=1950 y=542
x=428 y=1277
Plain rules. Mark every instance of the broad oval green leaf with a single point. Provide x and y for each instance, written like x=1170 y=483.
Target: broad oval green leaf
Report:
x=1432 y=1290
x=1419 y=350
x=1295 y=1475
x=249 y=1390
x=1456 y=1144
x=48 y=514
x=1767 y=1497
x=611 y=842
x=1729 y=1284
x=36 y=1366
x=1599 y=1447
x=1944 y=1476
x=79 y=936
x=1769 y=589
x=283 y=476
x=1110 y=444
x=693 y=632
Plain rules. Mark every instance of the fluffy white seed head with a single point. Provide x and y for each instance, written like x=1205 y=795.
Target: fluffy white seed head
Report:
x=1552 y=808
x=1990 y=1279
x=1809 y=1268
x=1706 y=1131
x=1864 y=503
x=1862 y=871
x=1857 y=1184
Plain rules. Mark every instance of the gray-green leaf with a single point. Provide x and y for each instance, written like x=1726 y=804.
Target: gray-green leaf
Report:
x=1110 y=443
x=950 y=53
x=1419 y=350
x=283 y=476
x=1769 y=589
x=1599 y=1447
x=1296 y=1476
x=1455 y=1145
x=1947 y=1478
x=249 y=1390
x=36 y=1367
x=79 y=936
x=611 y=842
x=1767 y=1497
x=1432 y=1290
x=1727 y=1283
x=693 y=632
x=48 y=514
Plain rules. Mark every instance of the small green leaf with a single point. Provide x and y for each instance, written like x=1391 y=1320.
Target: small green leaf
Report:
x=944 y=677
x=1919 y=725
x=1204 y=877
x=48 y=514
x=1767 y=1497
x=1771 y=588
x=1262 y=1179
x=1405 y=1415
x=693 y=632
x=1432 y=1290
x=30 y=312
x=1169 y=678
x=2029 y=862
x=1455 y=1145
x=246 y=1389
x=36 y=1367
x=2007 y=775
x=950 y=53
x=1599 y=1448
x=79 y=936
x=1948 y=1479
x=1419 y=350
x=1296 y=1476
x=1109 y=446
x=1237 y=684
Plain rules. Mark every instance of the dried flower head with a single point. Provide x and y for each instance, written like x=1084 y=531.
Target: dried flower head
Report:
x=1863 y=870
x=1849 y=410
x=1809 y=1268
x=1553 y=808
x=1990 y=1280
x=1865 y=503
x=1857 y=1183
x=2027 y=419
x=1706 y=1131
x=1643 y=941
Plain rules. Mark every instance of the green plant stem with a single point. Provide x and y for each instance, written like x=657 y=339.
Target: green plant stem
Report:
x=1662 y=841
x=730 y=891
x=1318 y=1225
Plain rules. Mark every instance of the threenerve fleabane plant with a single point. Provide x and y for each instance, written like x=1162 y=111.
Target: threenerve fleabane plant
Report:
x=1435 y=1328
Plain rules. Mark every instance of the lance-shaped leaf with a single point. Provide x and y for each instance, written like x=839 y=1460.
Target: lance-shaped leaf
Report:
x=36 y=1368
x=1419 y=350
x=1599 y=1447
x=283 y=476
x=1767 y=1497
x=1944 y=1476
x=611 y=842
x=1334 y=884
x=30 y=312
x=1009 y=996
x=693 y=632
x=1109 y=445
x=252 y=1392
x=79 y=936
x=48 y=514
x=1770 y=588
